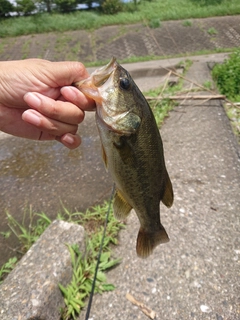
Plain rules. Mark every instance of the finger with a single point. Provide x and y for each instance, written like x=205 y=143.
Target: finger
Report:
x=66 y=72
x=62 y=111
x=69 y=140
x=47 y=125
x=12 y=123
x=75 y=96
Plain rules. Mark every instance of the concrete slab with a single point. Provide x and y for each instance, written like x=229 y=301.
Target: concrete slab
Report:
x=31 y=290
x=196 y=275
x=128 y=41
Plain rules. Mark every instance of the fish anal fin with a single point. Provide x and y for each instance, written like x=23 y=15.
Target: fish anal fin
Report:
x=147 y=241
x=168 y=193
x=121 y=208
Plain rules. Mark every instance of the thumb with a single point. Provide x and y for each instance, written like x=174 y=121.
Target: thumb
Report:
x=67 y=72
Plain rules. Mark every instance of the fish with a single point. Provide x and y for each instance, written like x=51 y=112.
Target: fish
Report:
x=132 y=151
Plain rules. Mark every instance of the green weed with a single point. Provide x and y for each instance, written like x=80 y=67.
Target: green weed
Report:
x=212 y=31
x=28 y=233
x=227 y=78
x=7 y=268
x=208 y=85
x=154 y=23
x=161 y=10
x=83 y=266
x=233 y=113
x=187 y=23
x=161 y=104
x=227 y=75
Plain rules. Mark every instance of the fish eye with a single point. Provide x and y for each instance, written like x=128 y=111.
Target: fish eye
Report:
x=124 y=83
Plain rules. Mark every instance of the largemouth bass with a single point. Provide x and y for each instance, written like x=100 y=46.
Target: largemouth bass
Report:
x=132 y=151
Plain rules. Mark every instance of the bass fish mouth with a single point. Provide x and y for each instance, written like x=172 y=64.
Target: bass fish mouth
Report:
x=101 y=75
x=97 y=79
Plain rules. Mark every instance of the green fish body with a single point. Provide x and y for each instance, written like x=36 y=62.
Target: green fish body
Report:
x=132 y=151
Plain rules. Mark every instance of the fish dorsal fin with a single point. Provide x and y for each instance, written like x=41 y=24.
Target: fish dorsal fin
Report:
x=121 y=207
x=168 y=192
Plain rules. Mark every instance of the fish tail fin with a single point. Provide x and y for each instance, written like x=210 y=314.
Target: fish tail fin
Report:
x=147 y=241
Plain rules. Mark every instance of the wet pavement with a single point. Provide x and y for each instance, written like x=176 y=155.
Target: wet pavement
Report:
x=47 y=176
x=196 y=275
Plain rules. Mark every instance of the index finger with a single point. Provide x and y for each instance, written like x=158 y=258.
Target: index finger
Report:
x=76 y=97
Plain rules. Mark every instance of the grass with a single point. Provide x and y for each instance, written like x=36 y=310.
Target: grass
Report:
x=7 y=267
x=227 y=78
x=154 y=23
x=27 y=233
x=208 y=85
x=145 y=11
x=212 y=31
x=233 y=113
x=161 y=107
x=187 y=23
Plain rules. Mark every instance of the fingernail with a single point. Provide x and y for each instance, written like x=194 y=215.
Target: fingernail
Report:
x=68 y=139
x=32 y=99
x=31 y=117
x=69 y=91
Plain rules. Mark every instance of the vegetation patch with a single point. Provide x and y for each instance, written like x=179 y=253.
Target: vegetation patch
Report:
x=154 y=23
x=227 y=78
x=187 y=23
x=212 y=31
x=7 y=267
x=62 y=15
x=159 y=100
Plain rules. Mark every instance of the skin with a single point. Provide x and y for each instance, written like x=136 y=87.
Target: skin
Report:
x=38 y=102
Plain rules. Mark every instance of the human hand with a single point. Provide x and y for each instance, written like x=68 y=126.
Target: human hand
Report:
x=38 y=102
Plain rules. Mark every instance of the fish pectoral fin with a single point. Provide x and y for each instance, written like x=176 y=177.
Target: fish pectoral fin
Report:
x=147 y=241
x=168 y=193
x=121 y=208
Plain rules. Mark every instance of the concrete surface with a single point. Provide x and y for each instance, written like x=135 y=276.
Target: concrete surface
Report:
x=126 y=41
x=46 y=176
x=197 y=274
x=194 y=276
x=31 y=290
